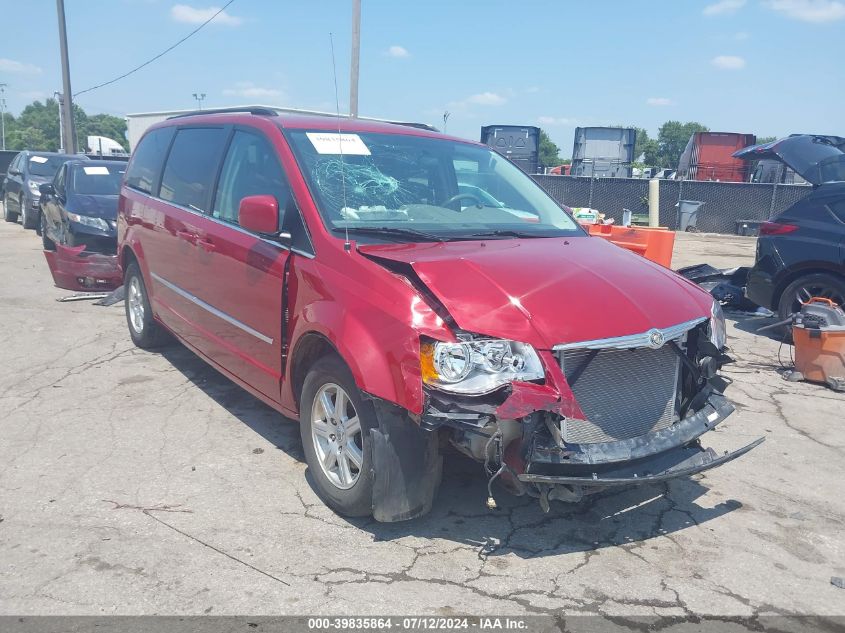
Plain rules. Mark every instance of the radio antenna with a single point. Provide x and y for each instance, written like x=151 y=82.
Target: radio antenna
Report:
x=346 y=245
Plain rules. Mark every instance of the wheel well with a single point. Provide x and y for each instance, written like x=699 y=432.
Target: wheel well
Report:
x=126 y=258
x=804 y=272
x=310 y=348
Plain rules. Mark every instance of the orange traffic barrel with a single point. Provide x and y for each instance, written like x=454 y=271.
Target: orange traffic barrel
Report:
x=654 y=244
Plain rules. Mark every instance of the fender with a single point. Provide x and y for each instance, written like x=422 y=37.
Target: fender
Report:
x=131 y=244
x=383 y=356
x=375 y=330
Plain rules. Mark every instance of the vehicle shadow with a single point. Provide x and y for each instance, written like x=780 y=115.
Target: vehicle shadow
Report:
x=751 y=323
x=623 y=517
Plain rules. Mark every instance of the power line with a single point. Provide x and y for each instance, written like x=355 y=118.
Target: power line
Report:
x=161 y=54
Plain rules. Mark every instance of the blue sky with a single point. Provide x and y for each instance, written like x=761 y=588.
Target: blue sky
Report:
x=770 y=67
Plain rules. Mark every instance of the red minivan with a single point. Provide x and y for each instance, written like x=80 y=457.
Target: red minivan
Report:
x=399 y=291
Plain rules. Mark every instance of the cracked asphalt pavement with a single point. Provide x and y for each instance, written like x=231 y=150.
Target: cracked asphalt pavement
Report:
x=145 y=483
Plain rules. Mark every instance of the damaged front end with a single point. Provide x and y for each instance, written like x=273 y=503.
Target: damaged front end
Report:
x=74 y=268
x=612 y=412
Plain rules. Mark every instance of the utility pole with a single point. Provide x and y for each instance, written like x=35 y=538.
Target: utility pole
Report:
x=199 y=96
x=67 y=102
x=60 y=99
x=356 y=56
x=446 y=116
x=3 y=112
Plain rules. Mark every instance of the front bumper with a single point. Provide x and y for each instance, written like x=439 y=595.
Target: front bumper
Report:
x=95 y=240
x=665 y=454
x=681 y=461
x=75 y=269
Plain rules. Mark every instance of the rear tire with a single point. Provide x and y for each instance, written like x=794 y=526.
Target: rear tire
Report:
x=803 y=288
x=337 y=442
x=9 y=215
x=146 y=333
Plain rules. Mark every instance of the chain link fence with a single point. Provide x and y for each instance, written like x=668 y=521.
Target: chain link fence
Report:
x=726 y=204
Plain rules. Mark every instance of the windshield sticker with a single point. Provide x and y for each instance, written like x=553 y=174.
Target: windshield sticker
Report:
x=98 y=170
x=38 y=159
x=347 y=144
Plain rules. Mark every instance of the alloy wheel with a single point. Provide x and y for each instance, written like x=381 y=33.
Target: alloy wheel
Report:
x=807 y=291
x=337 y=436
x=135 y=300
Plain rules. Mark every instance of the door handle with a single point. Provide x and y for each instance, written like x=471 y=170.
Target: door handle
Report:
x=187 y=236
x=207 y=245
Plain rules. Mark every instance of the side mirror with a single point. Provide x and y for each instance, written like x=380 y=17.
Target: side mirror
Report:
x=259 y=214
x=46 y=189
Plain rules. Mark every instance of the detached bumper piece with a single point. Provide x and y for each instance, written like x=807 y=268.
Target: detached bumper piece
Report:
x=678 y=462
x=75 y=269
x=663 y=454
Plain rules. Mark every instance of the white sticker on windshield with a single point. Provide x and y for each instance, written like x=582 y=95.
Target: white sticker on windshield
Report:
x=329 y=143
x=38 y=159
x=98 y=170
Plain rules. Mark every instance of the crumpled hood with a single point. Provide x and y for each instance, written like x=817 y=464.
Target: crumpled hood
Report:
x=94 y=206
x=549 y=291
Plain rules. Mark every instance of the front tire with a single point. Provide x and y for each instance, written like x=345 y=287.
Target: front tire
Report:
x=146 y=333
x=10 y=216
x=335 y=423
x=27 y=220
x=46 y=242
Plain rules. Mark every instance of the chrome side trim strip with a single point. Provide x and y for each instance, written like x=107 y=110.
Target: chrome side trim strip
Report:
x=210 y=308
x=654 y=338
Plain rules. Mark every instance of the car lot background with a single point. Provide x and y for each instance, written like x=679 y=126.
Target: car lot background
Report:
x=136 y=483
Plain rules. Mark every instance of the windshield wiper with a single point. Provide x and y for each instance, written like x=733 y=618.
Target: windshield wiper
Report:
x=505 y=233
x=390 y=230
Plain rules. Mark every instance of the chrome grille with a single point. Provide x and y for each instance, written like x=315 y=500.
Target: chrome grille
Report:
x=624 y=393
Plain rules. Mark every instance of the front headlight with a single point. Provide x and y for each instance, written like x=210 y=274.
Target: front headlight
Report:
x=718 y=331
x=97 y=223
x=33 y=187
x=478 y=367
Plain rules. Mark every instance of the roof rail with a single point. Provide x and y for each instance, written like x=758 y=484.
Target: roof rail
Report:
x=257 y=110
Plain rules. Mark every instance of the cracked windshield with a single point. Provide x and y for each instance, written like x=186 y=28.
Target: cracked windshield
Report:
x=403 y=187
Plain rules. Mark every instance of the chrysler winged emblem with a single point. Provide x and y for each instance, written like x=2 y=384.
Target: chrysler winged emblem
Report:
x=655 y=339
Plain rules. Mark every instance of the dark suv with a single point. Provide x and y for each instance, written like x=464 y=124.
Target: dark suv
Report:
x=29 y=170
x=801 y=252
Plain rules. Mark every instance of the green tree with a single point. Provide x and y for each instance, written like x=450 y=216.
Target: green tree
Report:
x=549 y=152
x=103 y=125
x=27 y=138
x=766 y=139
x=37 y=127
x=672 y=138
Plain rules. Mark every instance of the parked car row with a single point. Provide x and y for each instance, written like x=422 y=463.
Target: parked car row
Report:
x=67 y=198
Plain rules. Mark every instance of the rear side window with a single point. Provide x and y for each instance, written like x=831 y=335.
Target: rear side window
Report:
x=147 y=160
x=191 y=166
